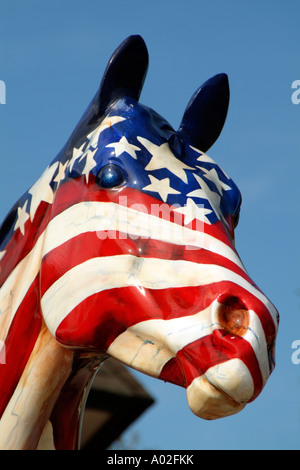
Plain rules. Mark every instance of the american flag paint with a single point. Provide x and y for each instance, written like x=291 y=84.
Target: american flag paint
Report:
x=124 y=247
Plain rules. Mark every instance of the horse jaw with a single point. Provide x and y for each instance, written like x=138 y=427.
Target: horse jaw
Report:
x=208 y=402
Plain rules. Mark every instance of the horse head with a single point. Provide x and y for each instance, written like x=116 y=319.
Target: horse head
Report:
x=135 y=254
x=145 y=265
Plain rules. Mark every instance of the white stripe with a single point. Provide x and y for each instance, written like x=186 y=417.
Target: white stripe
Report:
x=98 y=274
x=99 y=216
x=152 y=343
x=145 y=355
x=255 y=336
x=16 y=286
x=177 y=333
x=208 y=402
x=234 y=378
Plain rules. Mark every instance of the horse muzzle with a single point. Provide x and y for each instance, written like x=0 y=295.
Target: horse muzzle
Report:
x=228 y=366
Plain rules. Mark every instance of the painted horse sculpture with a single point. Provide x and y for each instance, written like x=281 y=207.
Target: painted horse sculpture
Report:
x=125 y=247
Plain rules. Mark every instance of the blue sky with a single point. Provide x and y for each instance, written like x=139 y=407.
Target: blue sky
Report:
x=52 y=56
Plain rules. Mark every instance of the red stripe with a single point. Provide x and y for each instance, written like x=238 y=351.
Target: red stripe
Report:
x=195 y=359
x=101 y=318
x=98 y=320
x=19 y=342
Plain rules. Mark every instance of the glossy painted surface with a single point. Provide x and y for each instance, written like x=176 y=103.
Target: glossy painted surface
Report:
x=125 y=247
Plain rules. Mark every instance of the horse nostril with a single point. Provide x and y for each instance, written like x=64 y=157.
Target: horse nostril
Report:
x=233 y=315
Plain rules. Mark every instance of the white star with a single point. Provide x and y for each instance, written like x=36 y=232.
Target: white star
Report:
x=105 y=124
x=193 y=211
x=23 y=216
x=163 y=157
x=41 y=190
x=89 y=164
x=124 y=146
x=212 y=175
x=162 y=187
x=61 y=173
x=205 y=193
x=205 y=158
x=77 y=153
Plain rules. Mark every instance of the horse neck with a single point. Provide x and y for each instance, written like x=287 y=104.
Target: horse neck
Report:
x=49 y=398
x=36 y=393
x=40 y=381
x=20 y=319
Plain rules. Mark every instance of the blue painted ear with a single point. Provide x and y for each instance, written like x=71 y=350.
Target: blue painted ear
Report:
x=124 y=76
x=206 y=113
x=125 y=73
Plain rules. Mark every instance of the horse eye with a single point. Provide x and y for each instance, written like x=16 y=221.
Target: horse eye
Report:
x=110 y=176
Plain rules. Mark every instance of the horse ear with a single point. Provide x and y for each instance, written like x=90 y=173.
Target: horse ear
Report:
x=206 y=113
x=124 y=76
x=125 y=73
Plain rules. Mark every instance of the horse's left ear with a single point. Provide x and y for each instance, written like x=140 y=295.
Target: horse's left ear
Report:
x=124 y=76
x=206 y=113
x=125 y=73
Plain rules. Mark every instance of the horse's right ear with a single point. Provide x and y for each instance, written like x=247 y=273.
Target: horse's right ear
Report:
x=206 y=113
